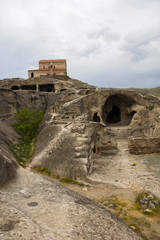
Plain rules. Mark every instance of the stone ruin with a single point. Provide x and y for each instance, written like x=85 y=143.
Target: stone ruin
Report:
x=79 y=125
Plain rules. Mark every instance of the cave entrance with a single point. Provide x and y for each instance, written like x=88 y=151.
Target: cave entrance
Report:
x=28 y=87
x=15 y=88
x=114 y=116
x=96 y=118
x=118 y=109
x=46 y=88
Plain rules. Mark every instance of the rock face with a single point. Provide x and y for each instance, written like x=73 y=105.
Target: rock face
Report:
x=36 y=207
x=77 y=126
x=8 y=164
x=10 y=103
x=145 y=131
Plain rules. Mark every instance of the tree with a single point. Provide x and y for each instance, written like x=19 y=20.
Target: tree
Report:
x=27 y=123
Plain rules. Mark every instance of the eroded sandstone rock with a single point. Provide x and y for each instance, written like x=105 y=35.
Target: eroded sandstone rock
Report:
x=77 y=128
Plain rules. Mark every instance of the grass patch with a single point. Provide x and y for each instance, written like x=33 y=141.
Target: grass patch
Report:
x=113 y=200
x=67 y=180
x=126 y=212
x=70 y=181
x=149 y=91
x=23 y=151
x=45 y=171
x=138 y=206
x=137 y=224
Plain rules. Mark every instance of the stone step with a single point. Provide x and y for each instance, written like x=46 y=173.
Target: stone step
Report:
x=120 y=133
x=80 y=155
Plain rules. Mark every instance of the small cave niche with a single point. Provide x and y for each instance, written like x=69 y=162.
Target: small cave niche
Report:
x=133 y=113
x=46 y=88
x=94 y=149
x=96 y=118
x=63 y=89
x=114 y=116
x=15 y=88
x=28 y=87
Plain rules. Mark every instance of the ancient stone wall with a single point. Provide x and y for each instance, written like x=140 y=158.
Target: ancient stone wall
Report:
x=145 y=132
x=143 y=145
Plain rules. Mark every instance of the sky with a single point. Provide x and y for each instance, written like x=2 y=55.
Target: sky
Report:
x=107 y=43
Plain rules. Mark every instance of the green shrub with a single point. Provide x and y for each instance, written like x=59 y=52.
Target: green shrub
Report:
x=27 y=125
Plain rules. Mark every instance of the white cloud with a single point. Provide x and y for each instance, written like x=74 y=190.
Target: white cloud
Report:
x=106 y=42
x=143 y=44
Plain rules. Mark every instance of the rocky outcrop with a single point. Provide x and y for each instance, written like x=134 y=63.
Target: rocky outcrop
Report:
x=11 y=102
x=145 y=132
x=36 y=207
x=77 y=126
x=8 y=164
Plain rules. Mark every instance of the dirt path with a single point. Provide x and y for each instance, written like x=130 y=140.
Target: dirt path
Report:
x=125 y=176
x=119 y=171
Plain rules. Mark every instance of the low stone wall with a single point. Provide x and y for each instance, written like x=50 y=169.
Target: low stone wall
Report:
x=144 y=145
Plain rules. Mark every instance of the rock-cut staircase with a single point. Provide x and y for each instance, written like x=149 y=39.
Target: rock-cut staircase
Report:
x=121 y=134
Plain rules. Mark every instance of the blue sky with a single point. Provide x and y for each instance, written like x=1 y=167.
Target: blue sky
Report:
x=107 y=43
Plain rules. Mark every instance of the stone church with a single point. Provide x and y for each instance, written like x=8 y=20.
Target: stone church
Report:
x=57 y=67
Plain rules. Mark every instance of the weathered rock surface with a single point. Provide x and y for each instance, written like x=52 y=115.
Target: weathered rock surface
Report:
x=77 y=127
x=36 y=207
x=10 y=103
x=84 y=135
x=8 y=164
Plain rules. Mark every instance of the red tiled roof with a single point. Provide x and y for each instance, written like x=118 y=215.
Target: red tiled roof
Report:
x=55 y=69
x=54 y=61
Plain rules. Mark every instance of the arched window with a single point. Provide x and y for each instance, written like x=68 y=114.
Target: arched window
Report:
x=32 y=75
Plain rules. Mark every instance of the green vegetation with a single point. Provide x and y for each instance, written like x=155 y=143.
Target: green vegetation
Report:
x=113 y=202
x=27 y=125
x=131 y=215
x=136 y=223
x=150 y=108
x=149 y=91
x=70 y=181
x=154 y=212
x=67 y=180
x=134 y=164
x=43 y=170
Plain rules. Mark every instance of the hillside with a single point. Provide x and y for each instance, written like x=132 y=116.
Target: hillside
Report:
x=150 y=91
x=99 y=137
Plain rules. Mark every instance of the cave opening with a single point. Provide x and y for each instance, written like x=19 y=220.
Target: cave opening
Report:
x=94 y=149
x=28 y=87
x=46 y=88
x=15 y=88
x=132 y=113
x=63 y=89
x=96 y=118
x=118 y=109
x=114 y=116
